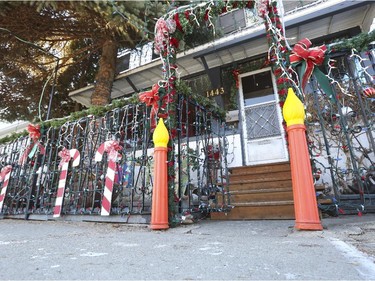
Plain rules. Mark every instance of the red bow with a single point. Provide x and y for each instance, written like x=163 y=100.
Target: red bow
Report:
x=150 y=98
x=65 y=156
x=312 y=57
x=111 y=147
x=4 y=172
x=34 y=132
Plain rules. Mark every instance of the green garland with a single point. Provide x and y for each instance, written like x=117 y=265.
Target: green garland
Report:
x=359 y=42
x=183 y=88
x=94 y=110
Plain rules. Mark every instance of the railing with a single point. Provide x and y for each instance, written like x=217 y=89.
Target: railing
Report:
x=201 y=156
x=341 y=135
x=33 y=184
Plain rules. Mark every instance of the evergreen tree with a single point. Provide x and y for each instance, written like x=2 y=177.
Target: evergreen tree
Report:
x=67 y=44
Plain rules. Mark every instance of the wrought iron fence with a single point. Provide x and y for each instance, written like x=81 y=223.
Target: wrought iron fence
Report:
x=341 y=135
x=34 y=180
x=201 y=155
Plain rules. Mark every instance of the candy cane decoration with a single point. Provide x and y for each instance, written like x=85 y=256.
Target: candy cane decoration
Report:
x=65 y=155
x=111 y=147
x=369 y=92
x=4 y=177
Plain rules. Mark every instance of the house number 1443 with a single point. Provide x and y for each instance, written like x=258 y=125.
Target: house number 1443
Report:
x=215 y=92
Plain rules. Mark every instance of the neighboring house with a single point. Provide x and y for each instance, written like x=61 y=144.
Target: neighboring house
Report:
x=257 y=137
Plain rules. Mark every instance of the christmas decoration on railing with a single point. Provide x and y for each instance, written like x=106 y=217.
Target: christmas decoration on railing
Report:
x=365 y=79
x=174 y=26
x=354 y=55
x=309 y=58
x=170 y=30
x=369 y=92
x=65 y=155
x=235 y=73
x=111 y=147
x=31 y=149
x=359 y=42
x=151 y=98
x=4 y=178
x=278 y=53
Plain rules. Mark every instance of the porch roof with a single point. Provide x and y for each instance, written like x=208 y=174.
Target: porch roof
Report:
x=312 y=22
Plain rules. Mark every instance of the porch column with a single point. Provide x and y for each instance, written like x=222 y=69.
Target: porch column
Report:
x=159 y=211
x=305 y=205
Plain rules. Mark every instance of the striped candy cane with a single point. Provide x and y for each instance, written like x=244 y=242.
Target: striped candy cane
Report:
x=4 y=177
x=111 y=147
x=65 y=155
x=369 y=92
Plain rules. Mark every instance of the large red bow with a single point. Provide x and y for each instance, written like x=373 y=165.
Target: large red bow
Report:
x=151 y=98
x=312 y=57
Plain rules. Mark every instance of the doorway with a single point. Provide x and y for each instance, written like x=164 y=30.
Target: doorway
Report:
x=263 y=133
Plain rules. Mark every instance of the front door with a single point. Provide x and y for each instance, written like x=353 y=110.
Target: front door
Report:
x=263 y=133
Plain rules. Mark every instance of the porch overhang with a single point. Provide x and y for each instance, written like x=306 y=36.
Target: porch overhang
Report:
x=312 y=22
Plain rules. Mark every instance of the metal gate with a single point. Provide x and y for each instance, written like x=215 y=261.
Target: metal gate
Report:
x=341 y=134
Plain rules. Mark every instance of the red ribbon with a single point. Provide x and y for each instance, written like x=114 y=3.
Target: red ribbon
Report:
x=312 y=57
x=64 y=154
x=34 y=132
x=4 y=172
x=151 y=98
x=178 y=23
x=111 y=147
x=235 y=73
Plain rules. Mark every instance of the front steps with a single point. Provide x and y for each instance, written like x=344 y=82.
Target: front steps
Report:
x=260 y=192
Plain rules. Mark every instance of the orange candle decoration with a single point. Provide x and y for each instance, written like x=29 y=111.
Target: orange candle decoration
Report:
x=305 y=205
x=159 y=211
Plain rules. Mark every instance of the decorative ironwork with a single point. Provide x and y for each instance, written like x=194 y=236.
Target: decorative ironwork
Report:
x=341 y=137
x=33 y=185
x=201 y=156
x=262 y=121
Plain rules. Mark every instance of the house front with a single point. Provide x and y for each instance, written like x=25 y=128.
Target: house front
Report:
x=239 y=168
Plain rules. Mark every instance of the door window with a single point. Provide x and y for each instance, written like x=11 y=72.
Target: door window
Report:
x=257 y=88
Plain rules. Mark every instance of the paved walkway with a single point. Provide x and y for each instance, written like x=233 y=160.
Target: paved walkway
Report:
x=208 y=250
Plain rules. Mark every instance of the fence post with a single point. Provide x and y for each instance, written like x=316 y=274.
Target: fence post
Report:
x=305 y=206
x=159 y=211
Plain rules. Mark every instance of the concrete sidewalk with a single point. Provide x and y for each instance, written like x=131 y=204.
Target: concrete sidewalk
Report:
x=207 y=250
